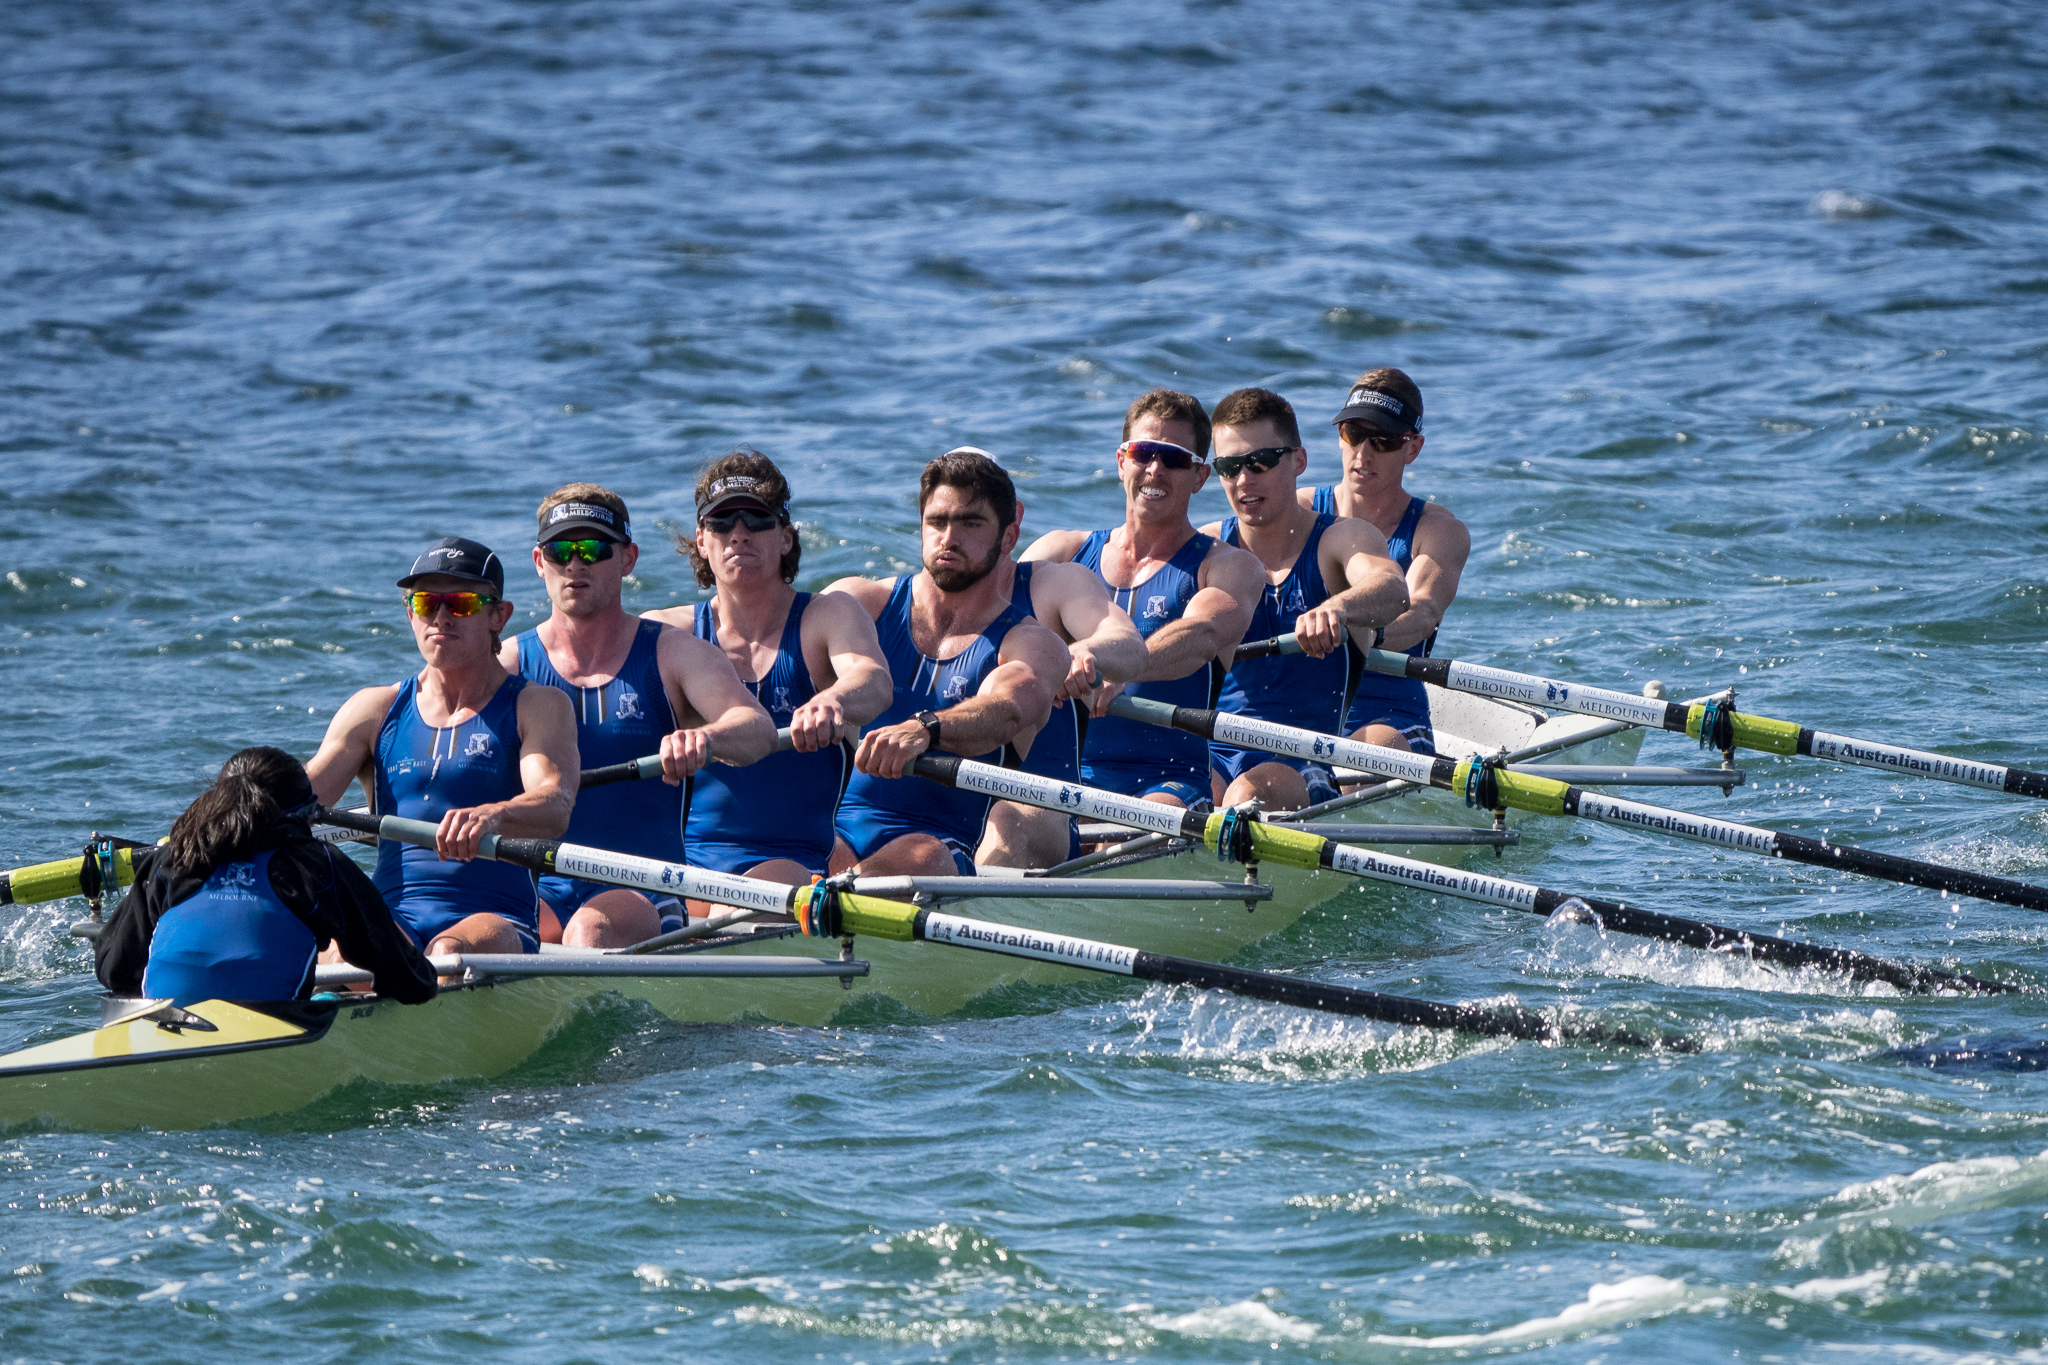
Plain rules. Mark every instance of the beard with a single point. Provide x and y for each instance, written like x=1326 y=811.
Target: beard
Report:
x=960 y=580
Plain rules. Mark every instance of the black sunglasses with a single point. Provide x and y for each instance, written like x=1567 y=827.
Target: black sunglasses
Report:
x=722 y=522
x=1230 y=466
x=1364 y=433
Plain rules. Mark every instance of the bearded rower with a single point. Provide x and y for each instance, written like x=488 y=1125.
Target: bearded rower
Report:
x=465 y=745
x=971 y=674
x=1189 y=596
x=810 y=659
x=1328 y=580
x=1380 y=429
x=636 y=687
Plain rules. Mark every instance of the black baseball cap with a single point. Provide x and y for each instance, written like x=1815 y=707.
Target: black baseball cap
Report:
x=1380 y=408
x=458 y=558
x=576 y=520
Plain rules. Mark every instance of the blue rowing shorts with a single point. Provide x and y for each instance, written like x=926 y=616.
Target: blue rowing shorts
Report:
x=1235 y=763
x=566 y=895
x=867 y=828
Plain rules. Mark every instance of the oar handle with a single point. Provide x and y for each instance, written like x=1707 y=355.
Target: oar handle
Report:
x=641 y=769
x=1266 y=649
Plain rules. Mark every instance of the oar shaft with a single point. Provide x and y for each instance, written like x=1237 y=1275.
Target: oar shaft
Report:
x=1760 y=733
x=644 y=769
x=54 y=881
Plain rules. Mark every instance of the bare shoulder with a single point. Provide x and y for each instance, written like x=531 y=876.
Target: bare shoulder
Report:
x=1226 y=566
x=1070 y=580
x=871 y=593
x=1214 y=530
x=1056 y=547
x=1349 y=536
x=676 y=648
x=1306 y=497
x=1439 y=524
x=835 y=612
x=679 y=618
x=1035 y=645
x=545 y=705
x=370 y=706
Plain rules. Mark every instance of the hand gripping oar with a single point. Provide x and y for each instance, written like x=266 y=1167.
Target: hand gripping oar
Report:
x=641 y=769
x=830 y=910
x=1237 y=835
x=1491 y=788
x=1711 y=723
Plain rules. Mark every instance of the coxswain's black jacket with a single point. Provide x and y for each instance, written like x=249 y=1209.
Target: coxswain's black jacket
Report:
x=327 y=891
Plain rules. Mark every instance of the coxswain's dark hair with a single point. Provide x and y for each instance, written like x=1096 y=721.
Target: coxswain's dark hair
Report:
x=257 y=789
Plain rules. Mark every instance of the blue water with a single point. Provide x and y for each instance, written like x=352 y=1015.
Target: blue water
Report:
x=1731 y=321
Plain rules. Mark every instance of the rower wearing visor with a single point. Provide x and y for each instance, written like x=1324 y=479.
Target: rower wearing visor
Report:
x=636 y=688
x=810 y=659
x=1329 y=580
x=1189 y=596
x=465 y=745
x=971 y=674
x=1380 y=430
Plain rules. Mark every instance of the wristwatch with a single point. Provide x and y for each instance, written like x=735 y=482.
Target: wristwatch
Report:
x=930 y=721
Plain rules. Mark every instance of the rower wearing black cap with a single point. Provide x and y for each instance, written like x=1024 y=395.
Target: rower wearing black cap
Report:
x=1380 y=429
x=464 y=744
x=637 y=687
x=810 y=658
x=240 y=900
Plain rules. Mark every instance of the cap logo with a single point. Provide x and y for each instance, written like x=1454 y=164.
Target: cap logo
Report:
x=581 y=511
x=1374 y=398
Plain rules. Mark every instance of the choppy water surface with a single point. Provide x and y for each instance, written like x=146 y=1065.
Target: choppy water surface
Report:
x=1730 y=319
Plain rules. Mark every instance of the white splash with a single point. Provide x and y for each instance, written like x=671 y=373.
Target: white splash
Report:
x=1605 y=1305
x=1249 y=1320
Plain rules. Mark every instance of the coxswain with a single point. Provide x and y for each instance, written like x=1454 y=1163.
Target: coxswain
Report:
x=464 y=744
x=971 y=674
x=810 y=659
x=1380 y=430
x=240 y=901
x=1329 y=579
x=1104 y=651
x=636 y=688
x=1189 y=595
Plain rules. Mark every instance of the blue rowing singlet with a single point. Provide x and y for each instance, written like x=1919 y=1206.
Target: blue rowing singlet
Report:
x=1056 y=751
x=623 y=720
x=1289 y=689
x=231 y=940
x=1130 y=756
x=423 y=772
x=876 y=809
x=1380 y=698
x=782 y=806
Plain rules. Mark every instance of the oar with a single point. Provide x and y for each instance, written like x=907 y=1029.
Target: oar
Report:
x=1711 y=723
x=1492 y=787
x=505 y=966
x=828 y=910
x=1237 y=835
x=641 y=769
x=67 y=876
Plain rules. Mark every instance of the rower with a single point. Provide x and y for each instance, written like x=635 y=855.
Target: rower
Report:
x=971 y=674
x=241 y=899
x=1189 y=595
x=1328 y=579
x=1380 y=430
x=636 y=687
x=1104 y=650
x=466 y=744
x=810 y=659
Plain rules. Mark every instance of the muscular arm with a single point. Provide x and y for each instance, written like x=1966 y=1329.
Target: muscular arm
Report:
x=735 y=728
x=1441 y=546
x=1103 y=640
x=1013 y=700
x=345 y=751
x=1230 y=584
x=1353 y=552
x=845 y=659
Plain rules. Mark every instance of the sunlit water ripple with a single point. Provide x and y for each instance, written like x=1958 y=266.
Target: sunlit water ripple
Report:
x=1731 y=323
